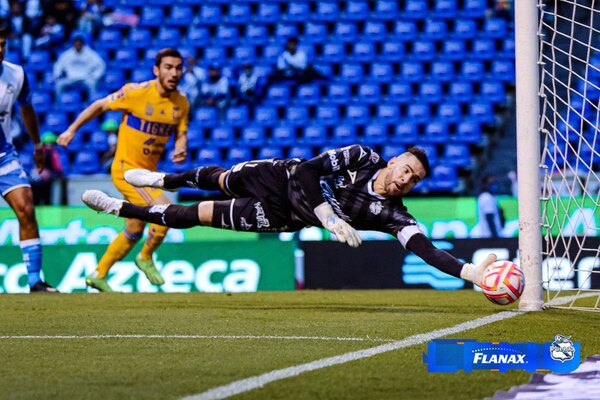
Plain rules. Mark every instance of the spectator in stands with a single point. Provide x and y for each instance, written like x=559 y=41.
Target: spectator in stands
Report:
x=249 y=87
x=41 y=183
x=293 y=64
x=490 y=215
x=64 y=11
x=91 y=16
x=192 y=79
x=21 y=29
x=51 y=34
x=80 y=65
x=111 y=127
x=214 y=91
x=33 y=9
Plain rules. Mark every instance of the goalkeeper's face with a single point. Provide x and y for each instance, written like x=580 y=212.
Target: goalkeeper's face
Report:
x=403 y=173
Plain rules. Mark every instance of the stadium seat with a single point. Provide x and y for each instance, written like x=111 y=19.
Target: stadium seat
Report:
x=412 y=71
x=278 y=95
x=334 y=52
x=142 y=74
x=442 y=71
x=388 y=114
x=415 y=9
x=326 y=11
x=268 y=13
x=469 y=131
x=449 y=112
x=300 y=152
x=400 y=92
x=113 y=79
x=381 y=72
x=419 y=112
x=139 y=38
x=314 y=32
x=351 y=73
x=406 y=132
x=308 y=94
x=362 y=52
x=390 y=151
x=494 y=28
x=430 y=92
x=374 y=31
x=493 y=91
x=209 y=156
x=345 y=32
x=482 y=111
x=393 y=51
x=238 y=154
x=286 y=30
x=70 y=101
x=244 y=55
x=296 y=115
x=271 y=53
x=327 y=115
x=253 y=136
x=152 y=17
x=465 y=28
x=338 y=93
x=405 y=30
x=39 y=60
x=375 y=134
x=283 y=135
x=483 y=49
x=314 y=135
x=239 y=13
x=214 y=55
x=344 y=135
x=210 y=14
x=443 y=179
x=435 y=29
x=432 y=153
x=436 y=132
x=385 y=10
x=457 y=155
x=109 y=39
x=265 y=115
x=195 y=137
x=297 y=11
x=206 y=116
x=221 y=136
x=503 y=70
x=180 y=15
x=474 y=8
x=236 y=116
x=447 y=9
x=227 y=35
x=269 y=152
x=472 y=71
x=460 y=91
x=357 y=114
x=99 y=141
x=86 y=162
x=369 y=93
x=126 y=58
x=508 y=49
x=41 y=100
x=454 y=49
x=356 y=10
x=256 y=35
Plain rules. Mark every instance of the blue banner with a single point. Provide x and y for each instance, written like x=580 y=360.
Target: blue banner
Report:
x=451 y=355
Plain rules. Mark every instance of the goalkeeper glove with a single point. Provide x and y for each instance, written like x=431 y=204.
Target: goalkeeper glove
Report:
x=474 y=273
x=344 y=232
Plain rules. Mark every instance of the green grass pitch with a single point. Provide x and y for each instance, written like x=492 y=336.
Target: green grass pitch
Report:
x=170 y=368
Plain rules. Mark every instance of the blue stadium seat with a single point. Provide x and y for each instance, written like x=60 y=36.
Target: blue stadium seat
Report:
x=423 y=50
x=406 y=132
x=206 y=116
x=271 y=53
x=449 y=111
x=296 y=115
x=363 y=51
x=334 y=52
x=454 y=49
x=265 y=115
x=357 y=114
x=435 y=29
x=345 y=32
x=356 y=10
x=400 y=92
x=369 y=93
x=493 y=91
x=139 y=38
x=99 y=141
x=314 y=135
x=109 y=39
x=253 y=136
x=141 y=74
x=388 y=114
x=39 y=60
x=390 y=151
x=163 y=3
x=385 y=10
x=474 y=8
x=393 y=51
x=472 y=71
x=126 y=58
x=415 y=9
x=214 y=55
x=482 y=111
x=430 y=92
x=113 y=79
x=338 y=93
x=237 y=116
x=86 y=162
x=167 y=36
x=300 y=152
x=278 y=95
x=374 y=31
x=195 y=137
x=483 y=49
x=314 y=32
x=65 y=161
x=443 y=179
x=445 y=9
x=70 y=101
x=460 y=91
x=180 y=15
x=494 y=28
x=375 y=134
x=227 y=35
x=256 y=34
x=152 y=17
x=508 y=48
x=283 y=135
x=442 y=71
x=297 y=11
x=404 y=30
x=41 y=100
x=457 y=155
x=286 y=30
x=468 y=131
x=244 y=55
x=419 y=112
x=239 y=13
x=268 y=152
x=268 y=13
x=465 y=28
x=210 y=14
x=221 y=136
x=209 y=156
x=381 y=72
x=436 y=132
x=503 y=70
x=236 y=155
x=327 y=115
x=351 y=73
x=412 y=71
x=326 y=11
x=344 y=135
x=432 y=153
x=308 y=95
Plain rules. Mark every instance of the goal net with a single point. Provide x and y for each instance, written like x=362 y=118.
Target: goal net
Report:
x=569 y=59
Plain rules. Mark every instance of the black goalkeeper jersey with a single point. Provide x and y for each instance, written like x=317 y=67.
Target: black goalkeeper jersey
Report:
x=344 y=178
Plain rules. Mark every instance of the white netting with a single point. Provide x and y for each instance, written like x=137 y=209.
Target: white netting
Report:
x=569 y=34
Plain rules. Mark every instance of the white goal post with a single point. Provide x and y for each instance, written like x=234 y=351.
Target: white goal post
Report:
x=558 y=119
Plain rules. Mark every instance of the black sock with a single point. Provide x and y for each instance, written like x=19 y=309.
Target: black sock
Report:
x=171 y=215
x=201 y=178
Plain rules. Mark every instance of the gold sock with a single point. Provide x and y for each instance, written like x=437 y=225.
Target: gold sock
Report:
x=116 y=250
x=156 y=235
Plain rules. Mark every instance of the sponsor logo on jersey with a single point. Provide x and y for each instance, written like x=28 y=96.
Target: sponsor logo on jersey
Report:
x=346 y=154
x=261 y=220
x=329 y=196
x=149 y=109
x=376 y=207
x=335 y=166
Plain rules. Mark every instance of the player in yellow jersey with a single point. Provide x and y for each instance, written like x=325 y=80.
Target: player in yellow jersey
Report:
x=152 y=112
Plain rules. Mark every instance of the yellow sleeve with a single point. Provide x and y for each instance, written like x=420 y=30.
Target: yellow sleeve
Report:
x=119 y=100
x=183 y=123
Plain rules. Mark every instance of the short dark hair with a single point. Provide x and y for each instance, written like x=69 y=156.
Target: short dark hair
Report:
x=168 y=52
x=422 y=157
x=292 y=39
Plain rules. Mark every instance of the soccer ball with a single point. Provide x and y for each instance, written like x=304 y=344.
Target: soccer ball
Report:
x=503 y=282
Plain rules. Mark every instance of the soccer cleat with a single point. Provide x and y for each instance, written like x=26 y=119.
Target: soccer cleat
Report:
x=149 y=269
x=98 y=283
x=42 y=287
x=101 y=202
x=145 y=178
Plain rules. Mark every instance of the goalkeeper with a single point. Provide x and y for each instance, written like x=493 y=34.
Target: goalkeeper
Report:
x=341 y=190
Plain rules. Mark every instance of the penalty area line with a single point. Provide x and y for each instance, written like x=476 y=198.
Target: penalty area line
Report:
x=258 y=381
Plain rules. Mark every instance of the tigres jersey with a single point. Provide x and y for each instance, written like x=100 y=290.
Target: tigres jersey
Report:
x=148 y=122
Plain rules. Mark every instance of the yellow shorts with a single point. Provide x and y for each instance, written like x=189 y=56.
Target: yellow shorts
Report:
x=135 y=195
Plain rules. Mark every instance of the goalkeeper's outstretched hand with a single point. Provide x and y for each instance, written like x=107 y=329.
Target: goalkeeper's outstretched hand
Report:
x=474 y=273
x=344 y=232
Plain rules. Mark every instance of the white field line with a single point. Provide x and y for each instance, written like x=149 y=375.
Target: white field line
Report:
x=255 y=382
x=224 y=337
